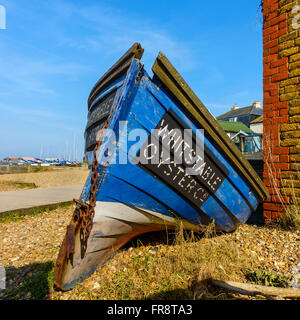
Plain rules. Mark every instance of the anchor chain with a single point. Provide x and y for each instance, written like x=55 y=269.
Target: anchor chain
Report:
x=84 y=213
x=82 y=217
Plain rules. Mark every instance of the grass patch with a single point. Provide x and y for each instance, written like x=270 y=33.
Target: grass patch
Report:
x=39 y=169
x=40 y=285
x=22 y=185
x=21 y=214
x=37 y=286
x=23 y=169
x=289 y=221
x=17 y=185
x=267 y=278
x=177 y=271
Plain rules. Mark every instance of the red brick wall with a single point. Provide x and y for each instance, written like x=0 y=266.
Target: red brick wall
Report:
x=281 y=79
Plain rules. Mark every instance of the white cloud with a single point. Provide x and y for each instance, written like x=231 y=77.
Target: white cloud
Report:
x=29 y=74
x=111 y=32
x=41 y=113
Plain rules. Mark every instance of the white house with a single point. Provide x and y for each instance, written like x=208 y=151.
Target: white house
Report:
x=257 y=125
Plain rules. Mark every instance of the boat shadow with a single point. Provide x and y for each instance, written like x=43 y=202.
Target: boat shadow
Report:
x=198 y=290
x=257 y=218
x=31 y=281
x=168 y=237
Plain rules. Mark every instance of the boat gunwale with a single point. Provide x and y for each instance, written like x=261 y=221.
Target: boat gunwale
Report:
x=118 y=69
x=180 y=90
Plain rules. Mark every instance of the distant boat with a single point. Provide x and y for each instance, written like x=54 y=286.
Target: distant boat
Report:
x=140 y=196
x=45 y=164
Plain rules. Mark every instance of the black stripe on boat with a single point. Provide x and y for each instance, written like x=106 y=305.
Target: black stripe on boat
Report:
x=171 y=168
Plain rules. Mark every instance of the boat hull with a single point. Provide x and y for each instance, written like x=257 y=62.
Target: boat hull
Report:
x=140 y=191
x=114 y=225
x=219 y=194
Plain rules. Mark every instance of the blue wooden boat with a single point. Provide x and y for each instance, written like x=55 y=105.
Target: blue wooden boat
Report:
x=126 y=194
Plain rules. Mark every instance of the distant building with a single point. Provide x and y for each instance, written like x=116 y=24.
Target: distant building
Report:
x=29 y=159
x=231 y=128
x=243 y=137
x=10 y=159
x=245 y=115
x=257 y=125
x=248 y=143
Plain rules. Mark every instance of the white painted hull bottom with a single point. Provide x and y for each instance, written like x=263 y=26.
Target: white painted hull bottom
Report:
x=114 y=225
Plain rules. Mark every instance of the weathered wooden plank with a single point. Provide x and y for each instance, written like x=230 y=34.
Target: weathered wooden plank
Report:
x=253 y=289
x=119 y=68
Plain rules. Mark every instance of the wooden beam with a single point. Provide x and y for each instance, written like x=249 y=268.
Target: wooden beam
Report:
x=253 y=289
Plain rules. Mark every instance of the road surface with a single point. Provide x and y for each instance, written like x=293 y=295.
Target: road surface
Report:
x=32 y=198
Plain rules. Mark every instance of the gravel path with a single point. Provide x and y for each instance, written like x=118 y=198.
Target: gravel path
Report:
x=34 y=240
x=276 y=250
x=26 y=244
x=25 y=199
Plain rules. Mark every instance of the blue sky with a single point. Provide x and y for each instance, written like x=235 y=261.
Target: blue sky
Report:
x=53 y=52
